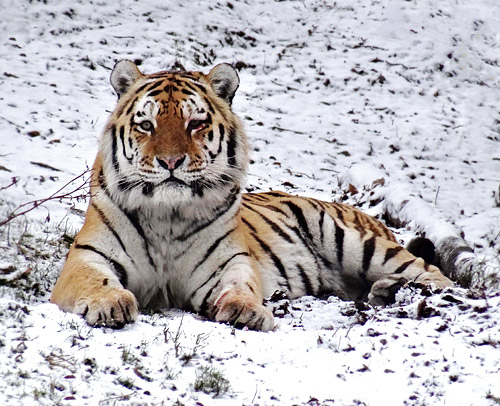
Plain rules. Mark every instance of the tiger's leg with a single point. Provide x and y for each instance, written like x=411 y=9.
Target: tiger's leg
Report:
x=237 y=298
x=88 y=287
x=395 y=268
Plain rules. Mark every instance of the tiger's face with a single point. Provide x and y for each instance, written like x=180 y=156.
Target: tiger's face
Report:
x=173 y=137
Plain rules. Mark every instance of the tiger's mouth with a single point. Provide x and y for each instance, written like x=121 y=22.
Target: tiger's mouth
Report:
x=172 y=180
x=171 y=184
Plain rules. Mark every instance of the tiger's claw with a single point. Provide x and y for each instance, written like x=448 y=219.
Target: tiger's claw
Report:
x=114 y=308
x=241 y=310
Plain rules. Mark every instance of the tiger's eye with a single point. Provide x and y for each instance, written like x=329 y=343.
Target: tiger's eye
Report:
x=196 y=125
x=146 y=126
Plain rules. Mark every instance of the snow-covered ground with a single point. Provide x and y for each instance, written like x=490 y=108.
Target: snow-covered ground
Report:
x=335 y=95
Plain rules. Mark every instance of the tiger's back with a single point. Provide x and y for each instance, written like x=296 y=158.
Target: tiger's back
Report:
x=168 y=225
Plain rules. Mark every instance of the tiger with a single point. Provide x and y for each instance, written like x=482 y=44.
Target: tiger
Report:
x=169 y=226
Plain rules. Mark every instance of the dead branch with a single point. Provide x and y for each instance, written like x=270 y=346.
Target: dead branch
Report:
x=81 y=189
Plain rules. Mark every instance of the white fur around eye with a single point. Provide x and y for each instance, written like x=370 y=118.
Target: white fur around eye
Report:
x=145 y=115
x=194 y=109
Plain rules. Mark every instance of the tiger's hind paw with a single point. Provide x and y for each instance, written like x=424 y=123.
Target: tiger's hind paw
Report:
x=383 y=292
x=242 y=311
x=113 y=308
x=433 y=276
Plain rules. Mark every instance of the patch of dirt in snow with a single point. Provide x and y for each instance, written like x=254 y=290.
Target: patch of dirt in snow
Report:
x=346 y=100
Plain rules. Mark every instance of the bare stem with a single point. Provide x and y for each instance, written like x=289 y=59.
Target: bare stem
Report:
x=57 y=195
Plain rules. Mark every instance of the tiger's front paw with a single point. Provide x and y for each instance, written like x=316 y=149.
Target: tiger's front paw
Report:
x=110 y=308
x=243 y=310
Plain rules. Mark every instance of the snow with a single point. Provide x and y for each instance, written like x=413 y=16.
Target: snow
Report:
x=398 y=99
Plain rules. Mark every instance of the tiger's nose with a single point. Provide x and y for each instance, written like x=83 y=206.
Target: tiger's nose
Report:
x=171 y=163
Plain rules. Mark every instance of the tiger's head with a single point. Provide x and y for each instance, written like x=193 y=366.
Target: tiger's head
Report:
x=173 y=138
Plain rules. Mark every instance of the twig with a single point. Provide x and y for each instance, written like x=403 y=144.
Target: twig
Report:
x=12 y=123
x=405 y=78
x=276 y=128
x=437 y=194
x=54 y=196
x=14 y=180
x=400 y=64
x=116 y=398
x=45 y=166
x=362 y=44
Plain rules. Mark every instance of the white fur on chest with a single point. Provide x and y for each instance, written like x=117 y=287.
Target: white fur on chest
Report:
x=183 y=256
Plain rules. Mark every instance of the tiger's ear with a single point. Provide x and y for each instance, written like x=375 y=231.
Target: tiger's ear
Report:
x=224 y=80
x=124 y=74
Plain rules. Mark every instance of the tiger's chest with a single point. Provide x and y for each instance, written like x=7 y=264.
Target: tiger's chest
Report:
x=181 y=260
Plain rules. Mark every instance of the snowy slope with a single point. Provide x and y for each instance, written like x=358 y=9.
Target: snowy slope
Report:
x=332 y=94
